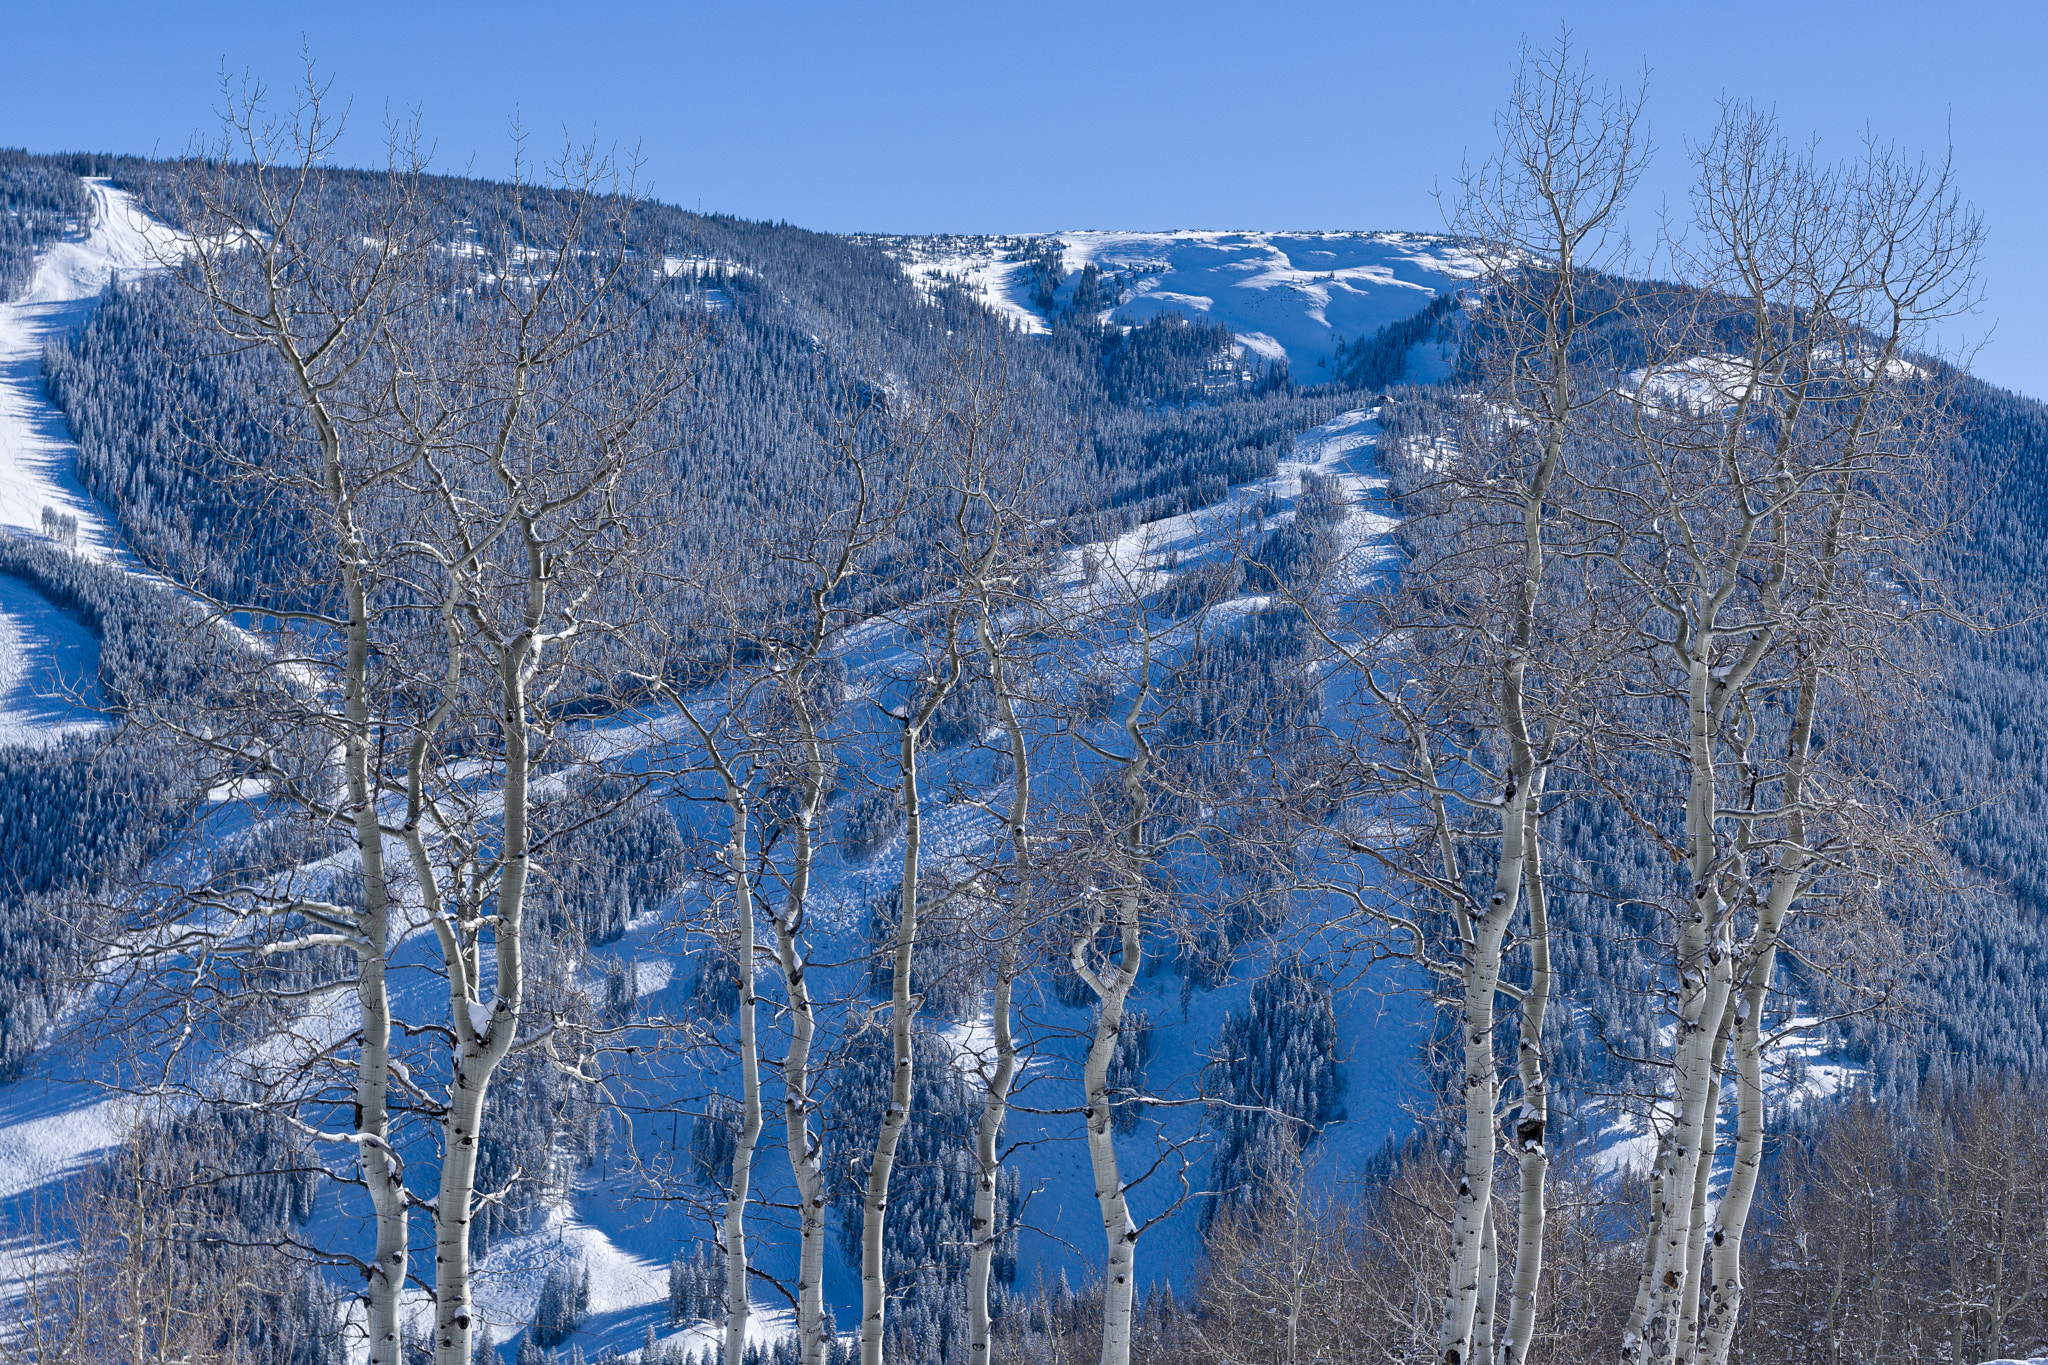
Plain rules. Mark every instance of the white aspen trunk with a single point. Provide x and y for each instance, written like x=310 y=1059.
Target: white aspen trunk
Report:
x=801 y=1140
x=1520 y=808
x=1679 y=1157
x=383 y=1175
x=988 y=1168
x=874 y=1288
x=1724 y=1293
x=1480 y=1086
x=1532 y=1155
x=1705 y=964
x=995 y=1103
x=805 y=1147
x=1687 y=1336
x=903 y=1006
x=1489 y=1294
x=480 y=1051
x=1660 y=1329
x=1119 y=1231
x=733 y=1234
x=1653 y=1319
x=1471 y=1207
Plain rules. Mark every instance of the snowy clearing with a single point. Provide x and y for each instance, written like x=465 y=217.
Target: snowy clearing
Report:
x=48 y=659
x=1286 y=295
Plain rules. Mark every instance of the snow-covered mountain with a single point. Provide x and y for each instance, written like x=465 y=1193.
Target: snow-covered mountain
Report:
x=56 y=1120
x=1286 y=295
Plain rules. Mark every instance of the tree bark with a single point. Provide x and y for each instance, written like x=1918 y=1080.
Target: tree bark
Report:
x=1009 y=963
x=803 y=1143
x=1532 y=1124
x=733 y=1234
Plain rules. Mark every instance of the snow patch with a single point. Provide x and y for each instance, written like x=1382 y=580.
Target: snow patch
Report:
x=1285 y=295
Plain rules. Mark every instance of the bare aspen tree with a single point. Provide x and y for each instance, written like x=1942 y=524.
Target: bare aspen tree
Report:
x=732 y=1236
x=250 y=259
x=1767 y=517
x=821 y=563
x=972 y=444
x=1017 y=901
x=1916 y=248
x=468 y=476
x=913 y=717
x=725 y=742
x=1118 y=853
x=804 y=1143
x=531 y=452
x=1542 y=217
x=1120 y=909
x=1000 y=621
x=1545 y=215
x=995 y=555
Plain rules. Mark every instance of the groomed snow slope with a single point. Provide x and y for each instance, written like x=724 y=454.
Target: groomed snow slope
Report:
x=1287 y=295
x=44 y=652
x=37 y=456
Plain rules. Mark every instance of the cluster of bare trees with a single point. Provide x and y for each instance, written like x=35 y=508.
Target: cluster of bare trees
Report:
x=1054 y=667
x=1893 y=1233
x=1664 y=554
x=465 y=453
x=469 y=452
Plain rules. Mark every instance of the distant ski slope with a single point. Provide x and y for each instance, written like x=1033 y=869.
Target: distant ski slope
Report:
x=37 y=456
x=1287 y=295
x=43 y=651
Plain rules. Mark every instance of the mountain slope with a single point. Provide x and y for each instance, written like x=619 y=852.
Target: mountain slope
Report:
x=1288 y=296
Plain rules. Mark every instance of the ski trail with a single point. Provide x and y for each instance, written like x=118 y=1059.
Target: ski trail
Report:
x=45 y=655
x=49 y=1128
x=38 y=458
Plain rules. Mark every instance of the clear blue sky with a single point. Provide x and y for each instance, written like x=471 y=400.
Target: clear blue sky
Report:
x=983 y=117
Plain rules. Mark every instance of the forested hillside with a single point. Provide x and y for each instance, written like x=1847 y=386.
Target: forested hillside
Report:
x=39 y=202
x=686 y=789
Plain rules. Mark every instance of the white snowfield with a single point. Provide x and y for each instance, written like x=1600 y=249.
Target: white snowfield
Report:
x=45 y=655
x=37 y=456
x=46 y=659
x=1286 y=295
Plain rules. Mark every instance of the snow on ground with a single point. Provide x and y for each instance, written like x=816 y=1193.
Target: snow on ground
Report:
x=607 y=1220
x=1798 y=1070
x=1286 y=295
x=990 y=266
x=1343 y=449
x=37 y=456
x=46 y=1134
x=49 y=663
x=45 y=653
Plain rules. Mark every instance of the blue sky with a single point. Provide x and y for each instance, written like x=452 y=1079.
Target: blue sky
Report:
x=1000 y=117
